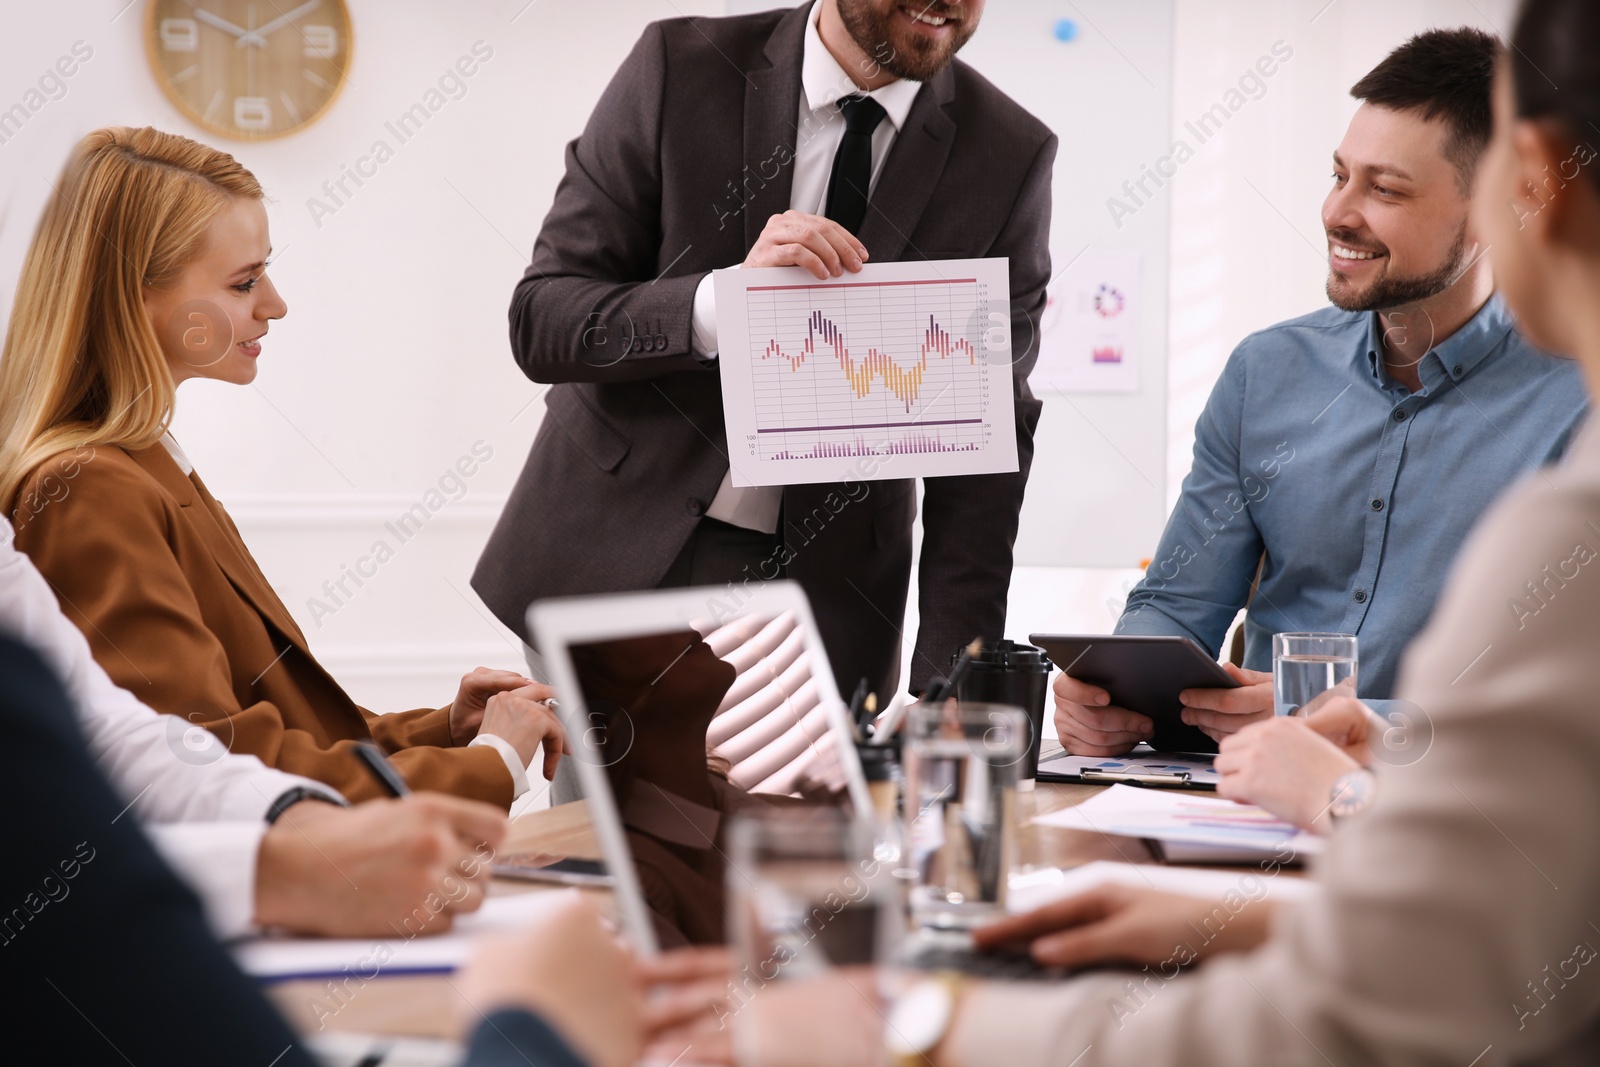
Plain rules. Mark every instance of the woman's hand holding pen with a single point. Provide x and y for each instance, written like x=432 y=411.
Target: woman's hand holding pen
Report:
x=506 y=704
x=525 y=719
x=472 y=699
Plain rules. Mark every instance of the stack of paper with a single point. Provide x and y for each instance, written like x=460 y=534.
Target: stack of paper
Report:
x=1218 y=826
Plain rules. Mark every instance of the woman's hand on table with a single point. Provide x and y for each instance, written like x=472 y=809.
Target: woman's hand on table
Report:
x=1289 y=765
x=1115 y=923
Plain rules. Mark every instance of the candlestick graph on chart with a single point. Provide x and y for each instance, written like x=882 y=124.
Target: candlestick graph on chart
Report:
x=903 y=361
x=867 y=368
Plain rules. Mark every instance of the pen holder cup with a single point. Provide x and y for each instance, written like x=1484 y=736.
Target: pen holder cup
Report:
x=880 y=764
x=1015 y=674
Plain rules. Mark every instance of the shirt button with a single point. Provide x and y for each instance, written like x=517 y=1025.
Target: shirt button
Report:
x=1399 y=414
x=1361 y=596
x=1377 y=505
x=1455 y=370
x=697 y=506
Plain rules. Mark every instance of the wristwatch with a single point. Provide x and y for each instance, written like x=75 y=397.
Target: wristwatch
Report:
x=290 y=797
x=1352 y=794
x=921 y=1018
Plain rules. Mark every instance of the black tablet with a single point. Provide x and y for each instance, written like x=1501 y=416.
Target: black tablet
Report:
x=1143 y=674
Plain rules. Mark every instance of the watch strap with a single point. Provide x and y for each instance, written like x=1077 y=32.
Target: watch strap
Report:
x=290 y=797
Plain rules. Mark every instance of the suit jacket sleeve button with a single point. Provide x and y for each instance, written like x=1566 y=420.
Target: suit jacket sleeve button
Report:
x=697 y=506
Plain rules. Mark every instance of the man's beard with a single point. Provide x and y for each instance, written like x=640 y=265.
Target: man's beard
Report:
x=1392 y=292
x=911 y=56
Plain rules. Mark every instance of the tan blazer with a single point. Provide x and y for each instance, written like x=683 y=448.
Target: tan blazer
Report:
x=154 y=572
x=1460 y=917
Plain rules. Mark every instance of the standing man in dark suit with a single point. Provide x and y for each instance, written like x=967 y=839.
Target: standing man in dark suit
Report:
x=816 y=137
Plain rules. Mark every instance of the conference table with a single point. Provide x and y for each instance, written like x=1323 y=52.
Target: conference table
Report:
x=426 y=1006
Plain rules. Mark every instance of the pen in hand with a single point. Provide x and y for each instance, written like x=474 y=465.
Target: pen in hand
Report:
x=372 y=757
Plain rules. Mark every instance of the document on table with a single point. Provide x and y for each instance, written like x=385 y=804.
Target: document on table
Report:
x=282 y=959
x=902 y=370
x=1185 y=819
x=1142 y=760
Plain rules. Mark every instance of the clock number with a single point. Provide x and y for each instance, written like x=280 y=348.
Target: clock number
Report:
x=322 y=42
x=252 y=113
x=180 y=35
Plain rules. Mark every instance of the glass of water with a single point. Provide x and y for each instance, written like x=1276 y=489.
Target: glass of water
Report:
x=1305 y=666
x=962 y=765
x=815 y=917
x=807 y=893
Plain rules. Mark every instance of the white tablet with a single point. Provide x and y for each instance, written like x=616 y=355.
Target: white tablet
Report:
x=640 y=678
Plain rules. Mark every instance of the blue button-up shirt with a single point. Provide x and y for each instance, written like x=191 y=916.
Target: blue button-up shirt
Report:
x=1351 y=492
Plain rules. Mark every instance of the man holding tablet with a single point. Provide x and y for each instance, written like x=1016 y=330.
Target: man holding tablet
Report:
x=1344 y=455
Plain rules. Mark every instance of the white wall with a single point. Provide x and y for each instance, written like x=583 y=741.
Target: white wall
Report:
x=393 y=361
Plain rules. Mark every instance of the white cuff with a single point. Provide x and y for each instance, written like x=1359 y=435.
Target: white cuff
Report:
x=508 y=752
x=218 y=860
x=705 y=319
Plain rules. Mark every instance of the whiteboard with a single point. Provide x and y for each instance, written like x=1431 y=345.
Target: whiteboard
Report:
x=1096 y=494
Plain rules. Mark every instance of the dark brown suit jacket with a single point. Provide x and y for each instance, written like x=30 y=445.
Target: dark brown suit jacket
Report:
x=683 y=161
x=154 y=573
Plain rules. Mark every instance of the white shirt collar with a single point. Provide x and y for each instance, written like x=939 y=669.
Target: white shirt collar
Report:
x=171 y=445
x=825 y=81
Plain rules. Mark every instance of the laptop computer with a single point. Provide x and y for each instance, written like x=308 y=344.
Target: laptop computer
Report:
x=645 y=682
x=639 y=688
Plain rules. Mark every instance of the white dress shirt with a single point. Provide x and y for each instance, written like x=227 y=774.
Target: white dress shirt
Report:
x=820 y=128
x=204 y=807
x=508 y=751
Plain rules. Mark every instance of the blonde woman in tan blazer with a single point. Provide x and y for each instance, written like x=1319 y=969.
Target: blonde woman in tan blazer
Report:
x=149 y=268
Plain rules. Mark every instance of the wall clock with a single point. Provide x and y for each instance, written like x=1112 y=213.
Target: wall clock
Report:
x=249 y=69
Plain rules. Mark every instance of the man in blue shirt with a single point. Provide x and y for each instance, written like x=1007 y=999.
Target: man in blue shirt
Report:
x=1344 y=455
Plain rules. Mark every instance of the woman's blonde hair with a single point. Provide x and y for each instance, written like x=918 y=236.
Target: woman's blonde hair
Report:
x=81 y=364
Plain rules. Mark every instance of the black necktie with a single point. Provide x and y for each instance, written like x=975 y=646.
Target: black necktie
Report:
x=852 y=164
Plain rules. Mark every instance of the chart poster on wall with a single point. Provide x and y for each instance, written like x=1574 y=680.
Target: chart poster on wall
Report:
x=901 y=370
x=1088 y=336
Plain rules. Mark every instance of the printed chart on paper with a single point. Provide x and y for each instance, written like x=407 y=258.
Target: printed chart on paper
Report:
x=902 y=370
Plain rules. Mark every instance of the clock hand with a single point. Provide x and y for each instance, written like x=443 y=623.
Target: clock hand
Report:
x=261 y=32
x=220 y=23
